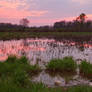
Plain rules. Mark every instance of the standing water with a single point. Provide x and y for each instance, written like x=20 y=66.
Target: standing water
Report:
x=41 y=51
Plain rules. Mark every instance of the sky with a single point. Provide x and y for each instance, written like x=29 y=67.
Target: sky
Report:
x=43 y=12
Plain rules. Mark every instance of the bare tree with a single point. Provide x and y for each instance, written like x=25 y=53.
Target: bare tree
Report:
x=24 y=22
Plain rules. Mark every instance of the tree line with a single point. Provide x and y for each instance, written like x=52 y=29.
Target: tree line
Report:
x=79 y=24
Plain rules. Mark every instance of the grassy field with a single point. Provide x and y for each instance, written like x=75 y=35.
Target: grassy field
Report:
x=56 y=35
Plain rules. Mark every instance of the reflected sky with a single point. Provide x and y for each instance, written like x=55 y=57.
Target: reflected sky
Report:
x=41 y=51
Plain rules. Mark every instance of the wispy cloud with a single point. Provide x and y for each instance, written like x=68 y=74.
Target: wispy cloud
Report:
x=9 y=9
x=11 y=3
x=13 y=13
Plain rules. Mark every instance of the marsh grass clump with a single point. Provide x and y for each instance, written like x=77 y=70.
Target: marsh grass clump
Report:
x=86 y=69
x=33 y=70
x=66 y=64
x=17 y=70
x=23 y=60
x=14 y=77
x=23 y=63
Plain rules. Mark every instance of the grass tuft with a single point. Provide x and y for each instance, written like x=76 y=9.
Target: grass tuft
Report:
x=66 y=64
x=80 y=88
x=86 y=69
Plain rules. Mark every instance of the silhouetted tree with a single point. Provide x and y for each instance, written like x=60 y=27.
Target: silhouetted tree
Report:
x=81 y=18
x=24 y=22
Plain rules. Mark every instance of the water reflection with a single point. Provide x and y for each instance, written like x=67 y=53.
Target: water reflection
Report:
x=40 y=51
x=63 y=81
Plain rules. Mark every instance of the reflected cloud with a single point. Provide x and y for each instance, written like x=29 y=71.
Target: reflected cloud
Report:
x=41 y=51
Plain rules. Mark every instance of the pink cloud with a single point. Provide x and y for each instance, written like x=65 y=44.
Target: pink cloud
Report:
x=51 y=21
x=13 y=13
x=9 y=12
x=7 y=4
x=9 y=9
x=89 y=16
x=15 y=4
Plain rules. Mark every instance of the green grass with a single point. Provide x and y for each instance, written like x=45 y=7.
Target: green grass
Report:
x=32 y=87
x=80 y=88
x=13 y=64
x=14 y=77
x=67 y=35
x=66 y=64
x=86 y=69
x=39 y=87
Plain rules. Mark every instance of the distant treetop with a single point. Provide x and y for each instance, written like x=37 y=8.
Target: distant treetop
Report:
x=81 y=17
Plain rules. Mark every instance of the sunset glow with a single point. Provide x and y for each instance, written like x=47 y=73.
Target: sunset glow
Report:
x=43 y=12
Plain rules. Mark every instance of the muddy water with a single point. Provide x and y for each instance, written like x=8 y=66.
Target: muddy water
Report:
x=41 y=51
